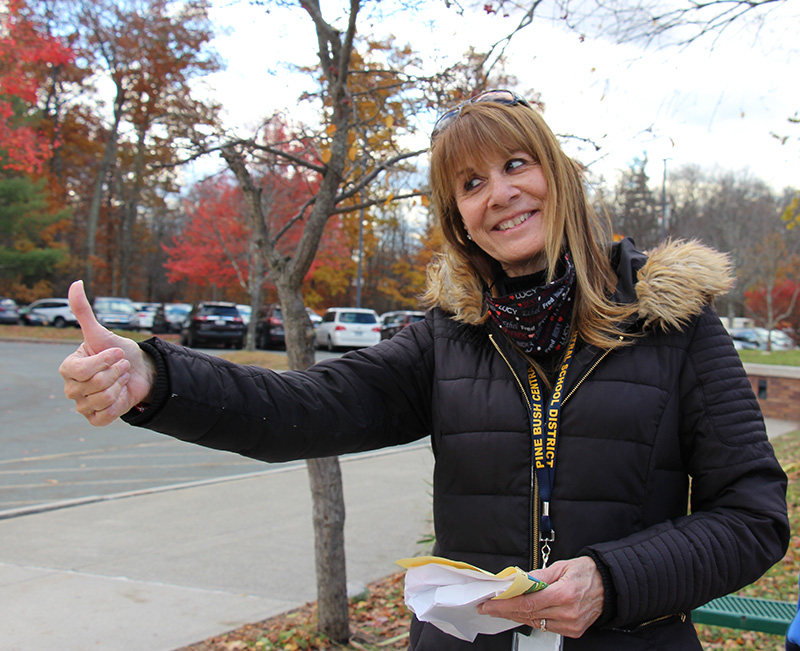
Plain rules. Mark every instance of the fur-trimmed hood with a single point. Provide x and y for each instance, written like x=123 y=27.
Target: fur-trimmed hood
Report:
x=671 y=284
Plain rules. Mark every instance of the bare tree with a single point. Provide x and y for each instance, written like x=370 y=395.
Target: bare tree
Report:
x=659 y=21
x=150 y=52
x=345 y=156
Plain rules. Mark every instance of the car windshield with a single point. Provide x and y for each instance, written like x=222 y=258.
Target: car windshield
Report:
x=218 y=310
x=176 y=309
x=357 y=317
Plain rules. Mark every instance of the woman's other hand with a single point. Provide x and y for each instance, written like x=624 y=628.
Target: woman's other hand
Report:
x=108 y=374
x=572 y=601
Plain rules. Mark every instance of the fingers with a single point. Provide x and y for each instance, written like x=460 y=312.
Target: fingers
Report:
x=97 y=383
x=81 y=365
x=572 y=601
x=84 y=375
x=117 y=405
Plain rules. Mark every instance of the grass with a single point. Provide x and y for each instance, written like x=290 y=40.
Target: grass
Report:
x=780 y=582
x=777 y=357
x=274 y=361
x=45 y=333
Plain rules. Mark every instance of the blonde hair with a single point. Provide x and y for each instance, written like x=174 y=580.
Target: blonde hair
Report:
x=570 y=222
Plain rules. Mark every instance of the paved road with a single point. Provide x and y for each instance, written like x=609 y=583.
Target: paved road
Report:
x=50 y=454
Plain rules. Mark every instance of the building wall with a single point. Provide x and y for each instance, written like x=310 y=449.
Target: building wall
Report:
x=778 y=391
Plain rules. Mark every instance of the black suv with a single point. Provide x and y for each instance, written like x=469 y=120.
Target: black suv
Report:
x=269 y=327
x=213 y=323
x=169 y=317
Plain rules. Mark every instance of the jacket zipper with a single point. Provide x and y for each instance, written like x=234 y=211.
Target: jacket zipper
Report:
x=585 y=375
x=533 y=556
x=534 y=561
x=649 y=622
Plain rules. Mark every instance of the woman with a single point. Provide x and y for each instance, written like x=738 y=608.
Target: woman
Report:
x=571 y=389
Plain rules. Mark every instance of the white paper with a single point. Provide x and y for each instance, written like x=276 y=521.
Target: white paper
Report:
x=448 y=598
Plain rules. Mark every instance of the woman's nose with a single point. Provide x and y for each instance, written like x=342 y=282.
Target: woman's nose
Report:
x=501 y=190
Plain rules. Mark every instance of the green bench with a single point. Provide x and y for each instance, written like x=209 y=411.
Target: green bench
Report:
x=747 y=613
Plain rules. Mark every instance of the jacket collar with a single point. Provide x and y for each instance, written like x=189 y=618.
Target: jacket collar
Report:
x=669 y=285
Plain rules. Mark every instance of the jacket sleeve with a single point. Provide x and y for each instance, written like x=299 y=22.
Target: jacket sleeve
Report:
x=367 y=399
x=737 y=527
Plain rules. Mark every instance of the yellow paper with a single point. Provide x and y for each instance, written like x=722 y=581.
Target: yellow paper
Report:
x=522 y=582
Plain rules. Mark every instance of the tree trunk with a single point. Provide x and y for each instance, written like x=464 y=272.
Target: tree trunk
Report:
x=93 y=218
x=129 y=213
x=325 y=478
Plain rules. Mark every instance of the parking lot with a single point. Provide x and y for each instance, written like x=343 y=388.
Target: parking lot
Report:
x=50 y=455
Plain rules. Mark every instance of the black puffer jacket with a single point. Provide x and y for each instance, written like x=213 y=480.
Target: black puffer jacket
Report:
x=636 y=425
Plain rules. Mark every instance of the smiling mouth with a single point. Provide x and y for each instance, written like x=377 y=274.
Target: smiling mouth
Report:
x=516 y=221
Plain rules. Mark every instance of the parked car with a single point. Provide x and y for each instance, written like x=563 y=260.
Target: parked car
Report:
x=9 y=311
x=145 y=313
x=213 y=322
x=394 y=322
x=246 y=311
x=756 y=339
x=316 y=319
x=169 y=317
x=741 y=344
x=350 y=327
x=115 y=313
x=51 y=311
x=269 y=327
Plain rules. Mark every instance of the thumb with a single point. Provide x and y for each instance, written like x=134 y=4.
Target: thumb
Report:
x=96 y=338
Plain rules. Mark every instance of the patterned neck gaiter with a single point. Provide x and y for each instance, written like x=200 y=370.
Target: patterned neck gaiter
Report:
x=537 y=319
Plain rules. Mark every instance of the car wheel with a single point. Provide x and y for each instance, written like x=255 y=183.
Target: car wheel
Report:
x=59 y=322
x=239 y=344
x=330 y=346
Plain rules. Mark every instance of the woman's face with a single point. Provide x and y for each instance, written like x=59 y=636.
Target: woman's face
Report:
x=502 y=204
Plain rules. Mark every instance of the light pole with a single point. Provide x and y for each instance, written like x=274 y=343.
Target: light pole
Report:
x=360 y=253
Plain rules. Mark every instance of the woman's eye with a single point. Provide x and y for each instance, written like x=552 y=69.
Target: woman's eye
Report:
x=514 y=163
x=471 y=184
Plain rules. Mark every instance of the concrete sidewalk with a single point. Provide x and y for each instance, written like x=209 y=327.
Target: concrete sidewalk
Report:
x=166 y=569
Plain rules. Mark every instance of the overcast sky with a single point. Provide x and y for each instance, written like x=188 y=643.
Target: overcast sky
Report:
x=715 y=107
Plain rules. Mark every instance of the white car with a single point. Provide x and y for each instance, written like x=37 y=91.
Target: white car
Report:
x=144 y=314
x=55 y=311
x=348 y=327
x=756 y=339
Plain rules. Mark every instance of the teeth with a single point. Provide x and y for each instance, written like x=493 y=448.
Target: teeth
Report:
x=514 y=222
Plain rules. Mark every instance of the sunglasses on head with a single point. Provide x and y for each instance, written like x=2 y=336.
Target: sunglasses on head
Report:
x=507 y=97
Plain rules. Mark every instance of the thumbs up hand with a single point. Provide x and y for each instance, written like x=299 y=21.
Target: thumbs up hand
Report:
x=108 y=374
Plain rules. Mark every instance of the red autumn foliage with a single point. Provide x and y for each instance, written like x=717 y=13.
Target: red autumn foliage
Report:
x=214 y=242
x=26 y=53
x=785 y=299
x=215 y=232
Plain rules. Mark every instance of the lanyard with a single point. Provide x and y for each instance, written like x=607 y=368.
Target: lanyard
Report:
x=544 y=434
